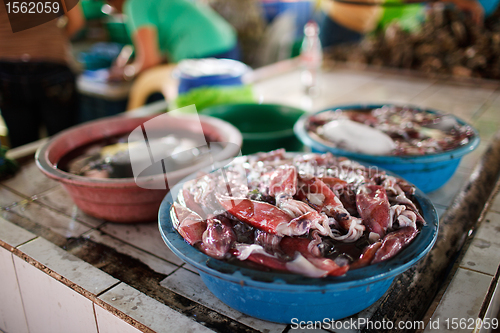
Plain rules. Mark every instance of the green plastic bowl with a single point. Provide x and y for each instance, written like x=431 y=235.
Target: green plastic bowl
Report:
x=264 y=127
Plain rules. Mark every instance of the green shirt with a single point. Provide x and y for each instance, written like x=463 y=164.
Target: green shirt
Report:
x=185 y=29
x=409 y=16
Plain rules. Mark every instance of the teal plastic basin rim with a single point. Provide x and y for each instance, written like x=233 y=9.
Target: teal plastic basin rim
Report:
x=303 y=135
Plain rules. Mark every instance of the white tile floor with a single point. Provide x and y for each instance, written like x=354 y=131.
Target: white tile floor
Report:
x=191 y=286
x=57 y=198
x=7 y=198
x=68 y=266
x=155 y=263
x=462 y=303
x=63 y=225
x=483 y=253
x=149 y=311
x=144 y=236
x=30 y=182
x=14 y=235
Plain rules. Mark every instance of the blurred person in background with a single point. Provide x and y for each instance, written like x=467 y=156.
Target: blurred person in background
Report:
x=346 y=21
x=247 y=17
x=37 y=85
x=173 y=30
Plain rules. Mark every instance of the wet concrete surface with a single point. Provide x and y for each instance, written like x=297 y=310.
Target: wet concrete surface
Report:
x=414 y=292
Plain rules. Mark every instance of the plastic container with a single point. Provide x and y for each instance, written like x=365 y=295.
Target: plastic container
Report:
x=98 y=98
x=280 y=297
x=427 y=172
x=264 y=127
x=311 y=58
x=121 y=199
x=194 y=73
x=100 y=55
x=92 y=107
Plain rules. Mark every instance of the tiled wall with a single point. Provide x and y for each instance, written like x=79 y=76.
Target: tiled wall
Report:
x=43 y=288
x=33 y=301
x=12 y=317
x=464 y=299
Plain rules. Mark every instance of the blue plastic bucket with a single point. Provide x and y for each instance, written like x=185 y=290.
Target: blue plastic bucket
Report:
x=427 y=172
x=188 y=81
x=287 y=298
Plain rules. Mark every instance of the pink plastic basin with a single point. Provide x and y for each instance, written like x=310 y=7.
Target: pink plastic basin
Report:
x=120 y=199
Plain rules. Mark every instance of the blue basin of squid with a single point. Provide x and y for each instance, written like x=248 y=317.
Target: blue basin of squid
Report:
x=427 y=172
x=290 y=298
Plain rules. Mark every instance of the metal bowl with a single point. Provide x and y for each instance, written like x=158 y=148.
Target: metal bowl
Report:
x=286 y=298
x=427 y=172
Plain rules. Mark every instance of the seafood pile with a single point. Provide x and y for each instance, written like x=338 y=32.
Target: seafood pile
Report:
x=389 y=130
x=448 y=43
x=311 y=214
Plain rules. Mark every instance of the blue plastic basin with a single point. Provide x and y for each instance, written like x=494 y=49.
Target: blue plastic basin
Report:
x=427 y=172
x=289 y=298
x=188 y=82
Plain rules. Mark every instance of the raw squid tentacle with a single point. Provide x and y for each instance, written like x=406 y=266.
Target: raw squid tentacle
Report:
x=319 y=195
x=393 y=188
x=264 y=216
x=269 y=242
x=374 y=208
x=300 y=265
x=353 y=234
x=303 y=246
x=256 y=253
x=393 y=243
x=321 y=223
x=366 y=258
x=189 y=224
x=283 y=186
x=186 y=199
x=306 y=256
x=218 y=238
x=387 y=248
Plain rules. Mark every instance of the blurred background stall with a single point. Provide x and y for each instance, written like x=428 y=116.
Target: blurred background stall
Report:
x=456 y=37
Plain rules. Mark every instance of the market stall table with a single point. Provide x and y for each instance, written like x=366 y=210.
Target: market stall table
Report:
x=64 y=271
